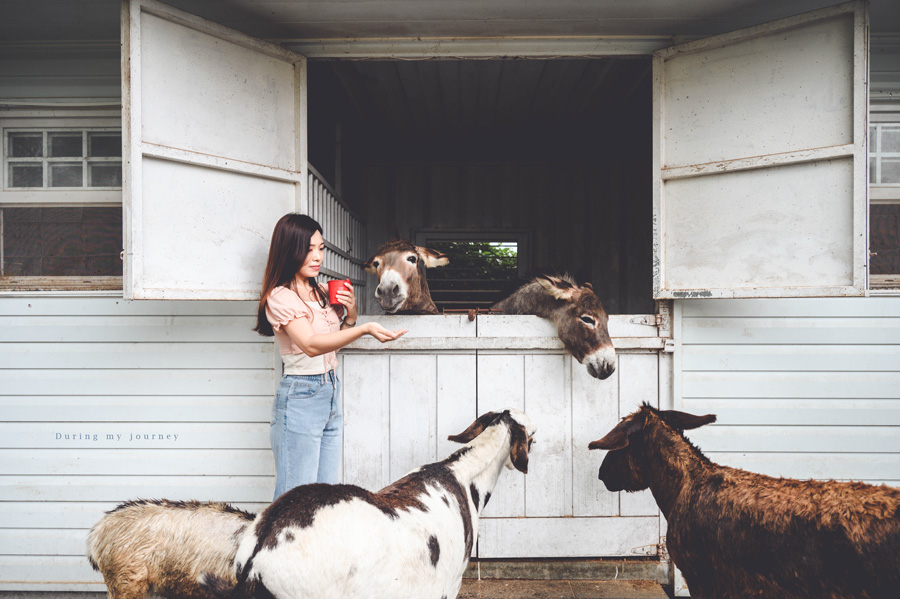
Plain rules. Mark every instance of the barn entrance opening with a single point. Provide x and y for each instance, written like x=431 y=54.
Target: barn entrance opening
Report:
x=553 y=155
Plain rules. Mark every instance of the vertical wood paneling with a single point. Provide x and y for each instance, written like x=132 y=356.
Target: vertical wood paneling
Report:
x=413 y=420
x=634 y=388
x=457 y=396
x=548 y=401
x=595 y=411
x=501 y=385
x=366 y=391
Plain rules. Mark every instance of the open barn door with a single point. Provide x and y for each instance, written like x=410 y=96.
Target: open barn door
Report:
x=760 y=160
x=214 y=136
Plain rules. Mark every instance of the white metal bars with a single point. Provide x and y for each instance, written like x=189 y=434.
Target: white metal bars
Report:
x=344 y=231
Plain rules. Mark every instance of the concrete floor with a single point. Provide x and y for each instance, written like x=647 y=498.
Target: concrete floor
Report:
x=560 y=589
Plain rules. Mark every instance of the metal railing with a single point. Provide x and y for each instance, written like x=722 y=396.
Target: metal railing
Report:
x=344 y=232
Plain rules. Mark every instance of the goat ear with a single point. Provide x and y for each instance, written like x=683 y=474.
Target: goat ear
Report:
x=518 y=447
x=617 y=438
x=431 y=258
x=558 y=288
x=369 y=267
x=682 y=421
x=475 y=429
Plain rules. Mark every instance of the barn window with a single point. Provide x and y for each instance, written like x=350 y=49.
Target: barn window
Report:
x=61 y=203
x=484 y=267
x=884 y=198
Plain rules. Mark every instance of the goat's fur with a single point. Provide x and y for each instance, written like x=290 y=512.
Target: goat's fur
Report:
x=410 y=540
x=736 y=534
x=163 y=547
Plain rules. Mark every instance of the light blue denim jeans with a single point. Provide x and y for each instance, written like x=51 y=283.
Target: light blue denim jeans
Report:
x=307 y=430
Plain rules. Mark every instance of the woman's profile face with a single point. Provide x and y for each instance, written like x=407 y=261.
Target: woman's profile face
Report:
x=313 y=262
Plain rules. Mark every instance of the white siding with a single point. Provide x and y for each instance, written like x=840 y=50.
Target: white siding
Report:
x=802 y=388
x=103 y=401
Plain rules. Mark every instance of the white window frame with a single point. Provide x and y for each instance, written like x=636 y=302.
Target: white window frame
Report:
x=880 y=193
x=58 y=119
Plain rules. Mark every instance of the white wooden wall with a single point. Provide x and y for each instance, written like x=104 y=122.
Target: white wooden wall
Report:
x=83 y=380
x=802 y=388
x=448 y=370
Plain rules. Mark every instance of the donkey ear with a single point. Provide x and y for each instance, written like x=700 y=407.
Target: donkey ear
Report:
x=518 y=447
x=558 y=288
x=682 y=421
x=475 y=429
x=431 y=258
x=617 y=438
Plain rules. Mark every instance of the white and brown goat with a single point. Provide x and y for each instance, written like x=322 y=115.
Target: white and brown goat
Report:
x=400 y=268
x=410 y=540
x=163 y=547
x=736 y=534
x=581 y=321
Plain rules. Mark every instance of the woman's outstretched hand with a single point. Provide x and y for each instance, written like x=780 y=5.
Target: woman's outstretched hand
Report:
x=382 y=334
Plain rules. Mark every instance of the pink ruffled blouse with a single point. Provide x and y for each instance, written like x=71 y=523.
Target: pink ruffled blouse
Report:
x=283 y=306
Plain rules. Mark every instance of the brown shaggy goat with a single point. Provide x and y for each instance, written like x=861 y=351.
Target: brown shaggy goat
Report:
x=164 y=547
x=739 y=535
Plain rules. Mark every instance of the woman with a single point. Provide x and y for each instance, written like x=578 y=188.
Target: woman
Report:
x=307 y=424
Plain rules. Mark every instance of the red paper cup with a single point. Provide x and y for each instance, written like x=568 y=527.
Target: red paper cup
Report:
x=334 y=287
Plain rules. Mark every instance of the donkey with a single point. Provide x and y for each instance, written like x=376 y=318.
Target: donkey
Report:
x=580 y=318
x=738 y=534
x=400 y=268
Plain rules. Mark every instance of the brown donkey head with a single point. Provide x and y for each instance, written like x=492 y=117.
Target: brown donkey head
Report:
x=400 y=268
x=624 y=467
x=581 y=321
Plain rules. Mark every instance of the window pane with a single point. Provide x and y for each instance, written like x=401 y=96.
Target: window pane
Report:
x=62 y=241
x=890 y=170
x=65 y=145
x=890 y=139
x=108 y=174
x=26 y=176
x=480 y=273
x=26 y=145
x=65 y=175
x=105 y=144
x=884 y=239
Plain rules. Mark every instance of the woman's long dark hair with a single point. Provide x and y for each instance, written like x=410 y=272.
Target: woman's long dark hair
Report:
x=287 y=252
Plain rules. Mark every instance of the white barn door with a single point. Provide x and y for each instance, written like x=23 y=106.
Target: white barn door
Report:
x=760 y=160
x=214 y=135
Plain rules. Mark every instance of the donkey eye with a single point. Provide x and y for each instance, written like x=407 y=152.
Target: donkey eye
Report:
x=411 y=259
x=376 y=263
x=588 y=320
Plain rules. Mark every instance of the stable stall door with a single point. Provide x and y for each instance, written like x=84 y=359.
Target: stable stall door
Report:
x=760 y=162
x=214 y=136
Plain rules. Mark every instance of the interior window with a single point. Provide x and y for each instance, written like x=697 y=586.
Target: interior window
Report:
x=482 y=271
x=884 y=200
x=61 y=205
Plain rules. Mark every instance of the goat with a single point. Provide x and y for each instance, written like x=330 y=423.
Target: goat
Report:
x=164 y=547
x=411 y=539
x=400 y=267
x=737 y=534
